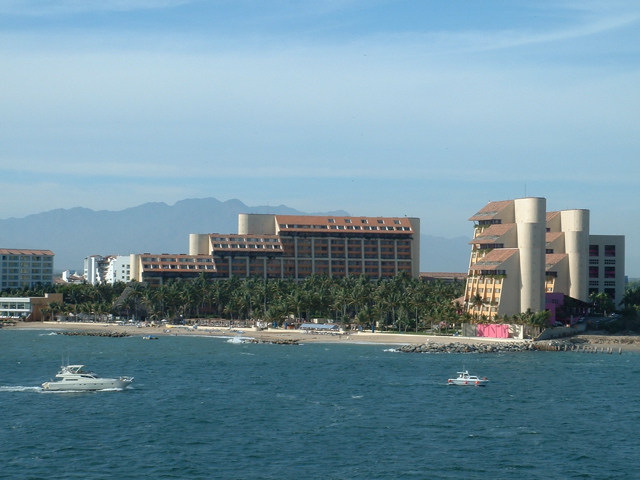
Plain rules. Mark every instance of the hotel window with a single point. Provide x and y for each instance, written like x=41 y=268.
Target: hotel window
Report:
x=331 y=220
x=594 y=272
x=609 y=250
x=364 y=220
x=609 y=272
x=347 y=220
x=594 y=250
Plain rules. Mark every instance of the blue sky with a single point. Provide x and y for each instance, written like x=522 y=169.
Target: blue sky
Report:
x=420 y=108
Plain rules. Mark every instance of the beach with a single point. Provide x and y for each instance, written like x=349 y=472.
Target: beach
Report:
x=629 y=343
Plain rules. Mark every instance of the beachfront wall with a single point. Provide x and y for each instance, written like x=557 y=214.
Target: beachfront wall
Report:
x=485 y=330
x=493 y=330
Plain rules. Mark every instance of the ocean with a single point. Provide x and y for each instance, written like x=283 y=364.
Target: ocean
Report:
x=206 y=408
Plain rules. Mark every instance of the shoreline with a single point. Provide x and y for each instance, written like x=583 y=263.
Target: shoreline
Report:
x=627 y=343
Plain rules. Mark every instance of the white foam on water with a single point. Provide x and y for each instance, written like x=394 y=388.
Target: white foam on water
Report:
x=19 y=388
x=239 y=339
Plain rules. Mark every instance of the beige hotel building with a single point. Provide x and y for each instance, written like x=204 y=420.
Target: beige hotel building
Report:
x=520 y=252
x=293 y=247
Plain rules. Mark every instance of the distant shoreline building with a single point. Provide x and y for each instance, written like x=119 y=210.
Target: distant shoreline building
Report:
x=27 y=309
x=108 y=269
x=21 y=268
x=293 y=247
x=297 y=246
x=520 y=253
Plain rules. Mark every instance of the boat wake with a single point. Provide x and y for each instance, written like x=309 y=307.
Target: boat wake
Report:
x=19 y=388
x=239 y=340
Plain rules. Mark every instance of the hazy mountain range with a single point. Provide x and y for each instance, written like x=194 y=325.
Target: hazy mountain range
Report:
x=76 y=233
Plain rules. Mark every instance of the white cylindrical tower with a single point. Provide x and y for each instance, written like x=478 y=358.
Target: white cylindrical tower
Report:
x=256 y=224
x=415 y=247
x=575 y=225
x=530 y=216
x=199 y=244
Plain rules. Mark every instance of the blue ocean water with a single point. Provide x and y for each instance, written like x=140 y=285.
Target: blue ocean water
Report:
x=204 y=408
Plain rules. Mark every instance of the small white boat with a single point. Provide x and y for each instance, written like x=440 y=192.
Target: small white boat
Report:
x=470 y=380
x=74 y=377
x=150 y=337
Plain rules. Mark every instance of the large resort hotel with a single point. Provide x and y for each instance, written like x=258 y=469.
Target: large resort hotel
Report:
x=523 y=257
x=293 y=247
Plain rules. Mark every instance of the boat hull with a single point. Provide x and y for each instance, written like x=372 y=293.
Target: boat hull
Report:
x=464 y=379
x=103 y=384
x=468 y=383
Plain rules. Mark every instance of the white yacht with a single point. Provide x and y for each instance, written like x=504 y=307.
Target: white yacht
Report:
x=471 y=380
x=73 y=377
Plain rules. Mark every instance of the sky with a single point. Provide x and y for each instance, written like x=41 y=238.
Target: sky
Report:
x=425 y=108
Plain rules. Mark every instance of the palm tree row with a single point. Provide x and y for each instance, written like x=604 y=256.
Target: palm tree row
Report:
x=400 y=303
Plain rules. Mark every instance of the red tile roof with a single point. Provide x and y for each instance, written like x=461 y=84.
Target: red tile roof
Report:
x=443 y=275
x=334 y=224
x=246 y=243
x=491 y=209
x=168 y=263
x=492 y=233
x=20 y=251
x=494 y=259
x=551 y=236
x=552 y=259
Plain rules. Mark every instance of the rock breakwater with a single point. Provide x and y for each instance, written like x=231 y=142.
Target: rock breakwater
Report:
x=94 y=334
x=278 y=341
x=457 y=347
x=543 y=346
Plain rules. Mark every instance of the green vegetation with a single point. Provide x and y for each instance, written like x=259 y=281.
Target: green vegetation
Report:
x=401 y=303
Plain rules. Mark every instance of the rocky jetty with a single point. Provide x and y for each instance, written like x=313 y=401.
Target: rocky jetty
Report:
x=277 y=341
x=507 y=347
x=95 y=334
x=457 y=347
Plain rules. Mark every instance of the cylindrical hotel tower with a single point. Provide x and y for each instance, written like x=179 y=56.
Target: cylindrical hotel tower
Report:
x=531 y=221
x=256 y=224
x=575 y=225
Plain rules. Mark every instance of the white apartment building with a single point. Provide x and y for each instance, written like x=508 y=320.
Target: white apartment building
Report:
x=108 y=269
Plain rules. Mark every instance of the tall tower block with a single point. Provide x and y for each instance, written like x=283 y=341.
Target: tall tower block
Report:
x=530 y=219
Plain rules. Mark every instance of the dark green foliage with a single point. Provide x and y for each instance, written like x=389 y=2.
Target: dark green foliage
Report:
x=401 y=303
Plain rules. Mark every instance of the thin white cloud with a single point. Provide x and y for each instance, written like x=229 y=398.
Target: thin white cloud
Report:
x=57 y=7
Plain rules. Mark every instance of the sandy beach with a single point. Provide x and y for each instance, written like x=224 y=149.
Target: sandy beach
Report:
x=596 y=339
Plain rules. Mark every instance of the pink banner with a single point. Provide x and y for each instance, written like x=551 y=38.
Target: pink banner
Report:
x=493 y=331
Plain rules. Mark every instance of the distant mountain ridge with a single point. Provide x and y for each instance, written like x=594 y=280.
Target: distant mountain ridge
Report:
x=75 y=233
